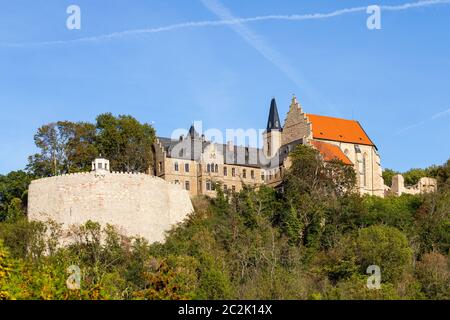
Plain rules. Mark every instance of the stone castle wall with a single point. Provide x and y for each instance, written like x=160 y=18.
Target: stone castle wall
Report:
x=424 y=185
x=138 y=204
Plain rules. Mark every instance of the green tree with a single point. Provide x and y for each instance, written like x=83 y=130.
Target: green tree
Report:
x=125 y=142
x=65 y=147
x=311 y=186
x=13 y=186
x=15 y=210
x=386 y=247
x=413 y=176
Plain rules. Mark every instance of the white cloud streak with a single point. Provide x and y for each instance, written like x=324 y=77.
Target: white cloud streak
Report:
x=230 y=22
x=432 y=118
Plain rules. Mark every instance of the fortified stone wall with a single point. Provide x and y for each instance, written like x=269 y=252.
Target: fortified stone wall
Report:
x=138 y=204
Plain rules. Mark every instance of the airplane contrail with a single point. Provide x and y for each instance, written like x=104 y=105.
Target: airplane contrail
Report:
x=433 y=117
x=272 y=55
x=236 y=21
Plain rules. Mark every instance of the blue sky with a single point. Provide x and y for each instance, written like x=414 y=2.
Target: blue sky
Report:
x=395 y=81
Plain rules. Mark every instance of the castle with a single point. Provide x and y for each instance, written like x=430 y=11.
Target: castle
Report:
x=197 y=164
x=148 y=205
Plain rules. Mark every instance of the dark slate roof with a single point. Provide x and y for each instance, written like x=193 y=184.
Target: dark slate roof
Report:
x=188 y=149
x=192 y=149
x=273 y=123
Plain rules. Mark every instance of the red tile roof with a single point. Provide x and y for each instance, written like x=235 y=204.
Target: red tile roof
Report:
x=330 y=151
x=336 y=129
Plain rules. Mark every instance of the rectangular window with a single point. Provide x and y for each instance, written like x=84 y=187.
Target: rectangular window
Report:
x=262 y=176
x=186 y=167
x=208 y=185
x=244 y=174
x=225 y=171
x=176 y=166
x=187 y=185
x=252 y=174
x=233 y=188
x=233 y=172
x=225 y=188
x=100 y=166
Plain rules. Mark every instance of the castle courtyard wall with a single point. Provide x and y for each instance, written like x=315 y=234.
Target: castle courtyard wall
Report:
x=138 y=204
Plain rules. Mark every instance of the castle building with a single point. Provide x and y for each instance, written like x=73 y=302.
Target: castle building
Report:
x=197 y=164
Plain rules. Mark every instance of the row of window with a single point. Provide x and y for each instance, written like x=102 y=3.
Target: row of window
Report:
x=271 y=174
x=177 y=167
x=215 y=168
x=211 y=187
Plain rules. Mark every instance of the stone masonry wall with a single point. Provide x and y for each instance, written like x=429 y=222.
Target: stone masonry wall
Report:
x=138 y=204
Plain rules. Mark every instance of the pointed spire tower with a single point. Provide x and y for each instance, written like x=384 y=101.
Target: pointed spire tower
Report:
x=193 y=134
x=272 y=135
x=273 y=123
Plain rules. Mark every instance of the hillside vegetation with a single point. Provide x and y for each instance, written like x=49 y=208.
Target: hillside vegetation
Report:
x=314 y=240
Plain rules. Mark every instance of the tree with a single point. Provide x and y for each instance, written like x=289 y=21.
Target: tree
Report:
x=125 y=142
x=311 y=186
x=13 y=186
x=15 y=210
x=433 y=271
x=65 y=147
x=413 y=176
x=386 y=247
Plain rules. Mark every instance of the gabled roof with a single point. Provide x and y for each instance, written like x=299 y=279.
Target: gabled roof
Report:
x=330 y=152
x=336 y=129
x=273 y=123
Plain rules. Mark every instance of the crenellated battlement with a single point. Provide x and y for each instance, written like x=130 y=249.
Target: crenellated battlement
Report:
x=70 y=176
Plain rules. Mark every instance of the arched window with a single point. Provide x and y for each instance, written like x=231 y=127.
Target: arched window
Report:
x=216 y=168
x=208 y=168
x=364 y=168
